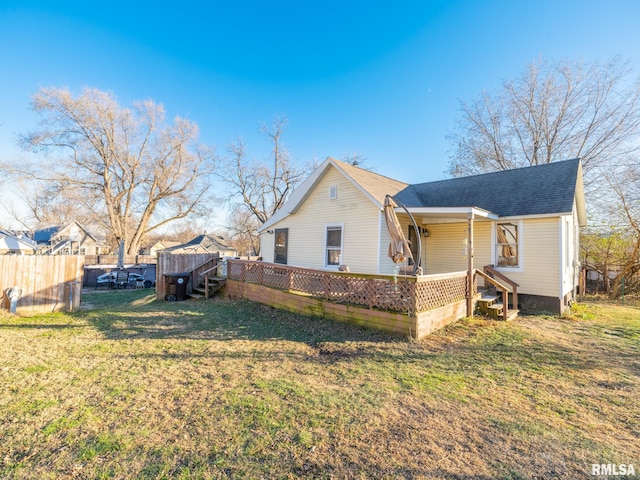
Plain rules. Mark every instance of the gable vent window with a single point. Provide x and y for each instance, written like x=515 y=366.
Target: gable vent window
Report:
x=333 y=192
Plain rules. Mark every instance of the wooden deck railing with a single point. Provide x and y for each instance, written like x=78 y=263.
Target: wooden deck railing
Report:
x=406 y=294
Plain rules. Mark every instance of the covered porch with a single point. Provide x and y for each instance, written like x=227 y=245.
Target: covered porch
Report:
x=470 y=239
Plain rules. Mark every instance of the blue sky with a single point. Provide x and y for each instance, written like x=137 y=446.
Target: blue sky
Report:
x=382 y=79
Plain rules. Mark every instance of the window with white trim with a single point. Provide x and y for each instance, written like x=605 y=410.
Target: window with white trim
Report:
x=333 y=192
x=508 y=236
x=333 y=247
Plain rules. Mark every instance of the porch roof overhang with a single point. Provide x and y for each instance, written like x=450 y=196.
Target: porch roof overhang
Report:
x=443 y=214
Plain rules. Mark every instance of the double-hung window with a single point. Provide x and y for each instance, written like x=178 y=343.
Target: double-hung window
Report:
x=508 y=244
x=333 y=253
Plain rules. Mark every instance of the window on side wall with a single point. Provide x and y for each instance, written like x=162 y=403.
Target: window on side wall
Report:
x=333 y=253
x=280 y=249
x=508 y=245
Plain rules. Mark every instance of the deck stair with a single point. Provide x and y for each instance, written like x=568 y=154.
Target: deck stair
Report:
x=490 y=306
x=215 y=284
x=499 y=287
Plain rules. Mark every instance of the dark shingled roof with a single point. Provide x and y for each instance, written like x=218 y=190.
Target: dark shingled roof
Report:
x=537 y=190
x=206 y=242
x=43 y=235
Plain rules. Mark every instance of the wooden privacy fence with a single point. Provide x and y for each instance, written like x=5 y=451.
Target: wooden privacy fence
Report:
x=113 y=259
x=48 y=282
x=181 y=263
x=405 y=294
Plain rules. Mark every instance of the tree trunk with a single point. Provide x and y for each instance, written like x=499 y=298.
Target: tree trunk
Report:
x=627 y=272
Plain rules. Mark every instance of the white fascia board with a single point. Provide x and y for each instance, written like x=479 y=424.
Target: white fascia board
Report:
x=529 y=217
x=462 y=212
x=297 y=196
x=579 y=199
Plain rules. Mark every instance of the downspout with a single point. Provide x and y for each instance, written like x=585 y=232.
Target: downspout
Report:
x=418 y=264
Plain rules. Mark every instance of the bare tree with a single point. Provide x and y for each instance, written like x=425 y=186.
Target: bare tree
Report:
x=242 y=229
x=48 y=204
x=260 y=188
x=356 y=159
x=554 y=111
x=626 y=185
x=605 y=251
x=141 y=172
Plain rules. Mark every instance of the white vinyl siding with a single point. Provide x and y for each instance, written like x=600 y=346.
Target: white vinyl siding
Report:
x=267 y=246
x=358 y=215
x=569 y=243
x=446 y=252
x=445 y=249
x=541 y=256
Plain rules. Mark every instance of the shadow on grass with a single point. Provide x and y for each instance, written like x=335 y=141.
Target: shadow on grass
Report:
x=136 y=314
x=475 y=346
x=40 y=326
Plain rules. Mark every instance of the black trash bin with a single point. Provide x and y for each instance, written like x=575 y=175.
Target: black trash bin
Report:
x=176 y=286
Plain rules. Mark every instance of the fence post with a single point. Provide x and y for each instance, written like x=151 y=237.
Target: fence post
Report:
x=326 y=285
x=413 y=293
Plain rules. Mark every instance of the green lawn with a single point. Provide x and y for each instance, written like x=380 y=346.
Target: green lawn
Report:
x=134 y=388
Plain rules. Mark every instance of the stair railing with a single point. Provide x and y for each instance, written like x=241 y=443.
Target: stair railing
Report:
x=514 y=286
x=205 y=274
x=196 y=272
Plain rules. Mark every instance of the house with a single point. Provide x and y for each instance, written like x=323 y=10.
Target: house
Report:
x=524 y=222
x=204 y=244
x=161 y=246
x=71 y=239
x=16 y=244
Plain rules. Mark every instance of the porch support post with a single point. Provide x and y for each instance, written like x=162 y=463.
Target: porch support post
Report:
x=470 y=267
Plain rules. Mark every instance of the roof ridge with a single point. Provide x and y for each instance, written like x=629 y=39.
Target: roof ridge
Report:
x=365 y=171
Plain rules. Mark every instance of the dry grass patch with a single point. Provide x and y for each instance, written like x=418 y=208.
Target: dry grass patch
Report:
x=135 y=388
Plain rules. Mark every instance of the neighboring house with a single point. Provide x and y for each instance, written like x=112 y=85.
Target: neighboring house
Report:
x=524 y=222
x=71 y=239
x=12 y=244
x=161 y=245
x=204 y=244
